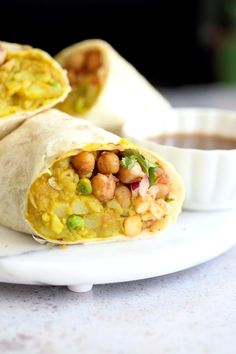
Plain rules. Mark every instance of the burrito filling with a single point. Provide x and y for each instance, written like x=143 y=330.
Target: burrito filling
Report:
x=99 y=194
x=86 y=76
x=28 y=81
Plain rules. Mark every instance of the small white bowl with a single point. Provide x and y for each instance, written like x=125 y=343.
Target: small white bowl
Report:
x=209 y=175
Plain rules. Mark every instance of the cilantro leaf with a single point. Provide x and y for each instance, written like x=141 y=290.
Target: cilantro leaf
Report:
x=152 y=174
x=148 y=167
x=139 y=158
x=128 y=161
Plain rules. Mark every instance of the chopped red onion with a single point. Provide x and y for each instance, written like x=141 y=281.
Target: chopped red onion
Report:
x=143 y=187
x=135 y=189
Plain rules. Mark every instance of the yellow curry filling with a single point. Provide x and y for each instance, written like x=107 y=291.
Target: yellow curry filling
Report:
x=99 y=194
x=86 y=76
x=28 y=81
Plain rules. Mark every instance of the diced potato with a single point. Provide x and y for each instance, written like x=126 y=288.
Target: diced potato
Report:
x=93 y=204
x=27 y=105
x=111 y=223
x=45 y=218
x=34 y=92
x=44 y=230
x=23 y=76
x=68 y=179
x=13 y=89
x=43 y=203
x=60 y=210
x=56 y=225
x=113 y=204
x=92 y=221
x=90 y=234
x=79 y=207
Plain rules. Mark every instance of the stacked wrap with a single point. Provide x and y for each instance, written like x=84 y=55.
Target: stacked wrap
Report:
x=125 y=93
x=10 y=121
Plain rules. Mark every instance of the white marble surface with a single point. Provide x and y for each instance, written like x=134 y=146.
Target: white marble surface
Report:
x=192 y=311
x=188 y=312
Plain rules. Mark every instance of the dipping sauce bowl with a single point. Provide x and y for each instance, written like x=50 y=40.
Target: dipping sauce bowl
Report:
x=208 y=167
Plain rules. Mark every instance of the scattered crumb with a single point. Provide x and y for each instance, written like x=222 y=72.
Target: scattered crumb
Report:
x=63 y=247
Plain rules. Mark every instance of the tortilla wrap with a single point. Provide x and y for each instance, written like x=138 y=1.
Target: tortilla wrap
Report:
x=27 y=154
x=17 y=100
x=124 y=92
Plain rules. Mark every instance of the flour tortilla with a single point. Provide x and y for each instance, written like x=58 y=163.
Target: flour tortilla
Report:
x=125 y=94
x=10 y=122
x=30 y=150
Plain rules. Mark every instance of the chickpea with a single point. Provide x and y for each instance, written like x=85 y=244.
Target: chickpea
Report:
x=134 y=174
x=108 y=163
x=123 y=196
x=148 y=224
x=103 y=187
x=116 y=151
x=3 y=54
x=93 y=60
x=132 y=225
x=75 y=62
x=153 y=190
x=142 y=206
x=163 y=191
x=84 y=163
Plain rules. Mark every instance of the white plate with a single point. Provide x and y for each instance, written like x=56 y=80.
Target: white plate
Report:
x=196 y=237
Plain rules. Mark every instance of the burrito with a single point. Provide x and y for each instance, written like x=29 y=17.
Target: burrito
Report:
x=67 y=181
x=30 y=81
x=106 y=89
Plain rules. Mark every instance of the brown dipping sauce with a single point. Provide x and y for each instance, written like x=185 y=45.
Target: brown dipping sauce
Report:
x=196 y=141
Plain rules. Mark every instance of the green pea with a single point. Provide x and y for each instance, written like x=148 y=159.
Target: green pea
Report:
x=80 y=104
x=75 y=222
x=91 y=95
x=169 y=200
x=84 y=186
x=55 y=85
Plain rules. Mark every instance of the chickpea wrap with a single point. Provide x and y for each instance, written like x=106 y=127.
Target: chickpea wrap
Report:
x=67 y=181
x=30 y=81
x=106 y=89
